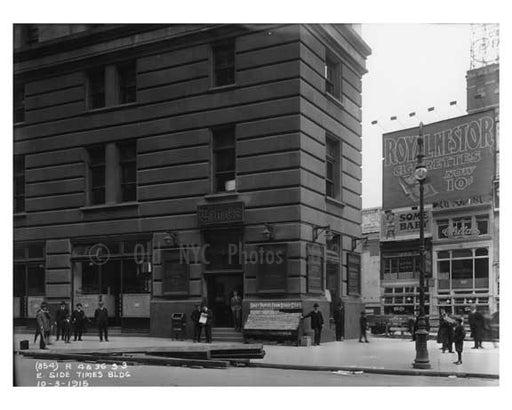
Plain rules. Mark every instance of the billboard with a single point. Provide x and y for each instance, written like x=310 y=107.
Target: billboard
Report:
x=459 y=156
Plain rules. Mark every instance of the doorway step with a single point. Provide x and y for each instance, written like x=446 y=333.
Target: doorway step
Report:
x=226 y=334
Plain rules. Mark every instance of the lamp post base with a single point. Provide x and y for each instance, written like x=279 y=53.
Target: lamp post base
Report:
x=421 y=361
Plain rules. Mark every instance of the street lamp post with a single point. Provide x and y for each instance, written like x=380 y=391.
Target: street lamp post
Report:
x=420 y=173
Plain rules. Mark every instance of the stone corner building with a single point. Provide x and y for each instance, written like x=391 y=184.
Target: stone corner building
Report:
x=155 y=164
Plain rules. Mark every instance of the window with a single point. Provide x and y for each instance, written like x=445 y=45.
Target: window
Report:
x=333 y=77
x=224 y=159
x=96 y=87
x=28 y=272
x=482 y=224
x=116 y=163
x=19 y=103
x=332 y=168
x=128 y=165
x=224 y=64
x=19 y=183
x=31 y=34
x=466 y=269
x=462 y=227
x=121 y=87
x=127 y=77
x=97 y=174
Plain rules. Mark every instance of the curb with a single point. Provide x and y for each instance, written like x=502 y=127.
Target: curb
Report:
x=397 y=372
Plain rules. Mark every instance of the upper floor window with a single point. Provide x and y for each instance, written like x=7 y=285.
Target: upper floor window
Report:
x=112 y=85
x=332 y=76
x=19 y=183
x=97 y=174
x=128 y=165
x=224 y=158
x=31 y=34
x=224 y=64
x=332 y=168
x=112 y=173
x=462 y=226
x=19 y=103
x=96 y=88
x=127 y=75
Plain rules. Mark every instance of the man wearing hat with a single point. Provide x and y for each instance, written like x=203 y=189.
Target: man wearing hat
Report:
x=78 y=320
x=317 y=322
x=101 y=319
x=60 y=317
x=43 y=325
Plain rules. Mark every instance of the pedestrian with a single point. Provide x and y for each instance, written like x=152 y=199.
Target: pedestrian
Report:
x=339 y=321
x=43 y=324
x=196 y=314
x=458 y=336
x=78 y=320
x=363 y=326
x=317 y=322
x=445 y=333
x=205 y=320
x=476 y=325
x=236 y=310
x=60 y=316
x=101 y=319
x=66 y=329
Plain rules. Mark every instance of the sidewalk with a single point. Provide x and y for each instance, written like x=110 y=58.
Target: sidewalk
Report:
x=387 y=356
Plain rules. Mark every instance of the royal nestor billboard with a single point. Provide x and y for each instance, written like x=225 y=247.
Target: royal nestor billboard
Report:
x=459 y=155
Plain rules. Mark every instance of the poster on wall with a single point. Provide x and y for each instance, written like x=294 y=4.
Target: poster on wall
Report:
x=459 y=156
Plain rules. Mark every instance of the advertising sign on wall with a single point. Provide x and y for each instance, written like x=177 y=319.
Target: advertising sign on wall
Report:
x=404 y=224
x=459 y=156
x=371 y=220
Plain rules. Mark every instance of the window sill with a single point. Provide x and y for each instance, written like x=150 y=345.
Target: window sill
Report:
x=120 y=205
x=334 y=202
x=227 y=87
x=19 y=215
x=221 y=195
x=111 y=108
x=19 y=124
x=334 y=99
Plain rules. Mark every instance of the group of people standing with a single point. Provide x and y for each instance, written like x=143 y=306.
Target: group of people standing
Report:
x=202 y=318
x=66 y=323
x=452 y=332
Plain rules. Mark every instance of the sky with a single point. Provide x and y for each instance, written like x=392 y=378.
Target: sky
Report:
x=412 y=67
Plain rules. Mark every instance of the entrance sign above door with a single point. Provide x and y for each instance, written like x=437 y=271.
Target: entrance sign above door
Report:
x=220 y=214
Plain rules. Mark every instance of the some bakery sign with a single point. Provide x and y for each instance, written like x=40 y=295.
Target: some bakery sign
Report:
x=459 y=156
x=404 y=224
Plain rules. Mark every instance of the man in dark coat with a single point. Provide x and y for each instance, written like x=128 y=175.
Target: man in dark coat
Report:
x=78 y=320
x=43 y=324
x=339 y=321
x=477 y=326
x=205 y=320
x=445 y=333
x=458 y=336
x=101 y=319
x=60 y=317
x=363 y=326
x=317 y=322
x=196 y=313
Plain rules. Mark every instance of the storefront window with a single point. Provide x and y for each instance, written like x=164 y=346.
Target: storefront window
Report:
x=463 y=269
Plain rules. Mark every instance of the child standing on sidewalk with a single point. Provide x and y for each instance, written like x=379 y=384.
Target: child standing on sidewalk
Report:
x=458 y=337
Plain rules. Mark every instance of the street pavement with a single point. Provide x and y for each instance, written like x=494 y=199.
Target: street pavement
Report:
x=165 y=376
x=381 y=355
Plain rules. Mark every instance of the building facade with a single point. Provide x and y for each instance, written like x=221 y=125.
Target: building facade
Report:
x=461 y=212
x=161 y=166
